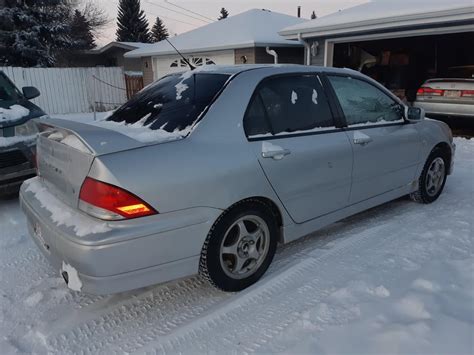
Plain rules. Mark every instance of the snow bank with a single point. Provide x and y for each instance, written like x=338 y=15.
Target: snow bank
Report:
x=62 y=214
x=14 y=113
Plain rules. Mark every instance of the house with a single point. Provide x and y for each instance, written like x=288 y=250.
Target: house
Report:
x=239 y=39
x=399 y=43
x=110 y=55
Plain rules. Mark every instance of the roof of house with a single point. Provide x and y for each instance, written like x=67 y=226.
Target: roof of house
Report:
x=124 y=45
x=383 y=15
x=248 y=29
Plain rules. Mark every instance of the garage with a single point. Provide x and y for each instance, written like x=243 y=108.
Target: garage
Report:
x=164 y=65
x=404 y=64
x=400 y=44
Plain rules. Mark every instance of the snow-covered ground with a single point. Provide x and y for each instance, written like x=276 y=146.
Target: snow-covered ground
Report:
x=396 y=279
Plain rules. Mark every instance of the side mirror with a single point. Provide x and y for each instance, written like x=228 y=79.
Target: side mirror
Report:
x=414 y=114
x=30 y=92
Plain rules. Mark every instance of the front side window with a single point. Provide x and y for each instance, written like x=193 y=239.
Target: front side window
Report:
x=364 y=103
x=288 y=104
x=9 y=94
x=172 y=103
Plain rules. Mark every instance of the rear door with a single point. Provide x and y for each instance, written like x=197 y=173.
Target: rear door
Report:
x=306 y=159
x=386 y=147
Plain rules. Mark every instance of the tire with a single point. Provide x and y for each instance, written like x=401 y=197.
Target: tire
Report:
x=240 y=246
x=429 y=188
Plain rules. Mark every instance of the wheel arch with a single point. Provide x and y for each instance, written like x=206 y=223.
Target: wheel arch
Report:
x=270 y=205
x=445 y=148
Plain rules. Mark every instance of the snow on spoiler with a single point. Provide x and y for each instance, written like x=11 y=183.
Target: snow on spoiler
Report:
x=88 y=138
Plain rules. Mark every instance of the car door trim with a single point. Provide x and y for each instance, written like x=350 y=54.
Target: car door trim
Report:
x=290 y=135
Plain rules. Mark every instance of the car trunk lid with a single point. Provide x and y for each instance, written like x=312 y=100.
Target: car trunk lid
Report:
x=66 y=151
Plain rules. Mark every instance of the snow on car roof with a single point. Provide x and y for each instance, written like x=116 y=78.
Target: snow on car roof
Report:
x=248 y=29
x=382 y=13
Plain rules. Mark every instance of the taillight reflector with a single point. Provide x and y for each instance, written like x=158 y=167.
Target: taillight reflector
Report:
x=114 y=199
x=467 y=93
x=427 y=91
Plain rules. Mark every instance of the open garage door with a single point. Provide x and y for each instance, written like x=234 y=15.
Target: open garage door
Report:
x=403 y=64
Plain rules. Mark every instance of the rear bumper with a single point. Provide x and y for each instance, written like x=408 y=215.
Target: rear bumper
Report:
x=124 y=255
x=446 y=109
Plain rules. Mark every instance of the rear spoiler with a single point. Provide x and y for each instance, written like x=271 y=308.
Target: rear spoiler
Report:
x=99 y=140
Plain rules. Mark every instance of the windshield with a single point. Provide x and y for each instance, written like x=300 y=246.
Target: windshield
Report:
x=9 y=94
x=172 y=103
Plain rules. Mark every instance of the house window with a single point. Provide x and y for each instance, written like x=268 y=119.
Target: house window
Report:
x=196 y=61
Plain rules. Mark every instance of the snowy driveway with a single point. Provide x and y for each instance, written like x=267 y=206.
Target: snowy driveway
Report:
x=396 y=279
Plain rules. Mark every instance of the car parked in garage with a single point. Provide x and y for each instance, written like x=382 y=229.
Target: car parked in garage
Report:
x=206 y=171
x=450 y=96
x=17 y=134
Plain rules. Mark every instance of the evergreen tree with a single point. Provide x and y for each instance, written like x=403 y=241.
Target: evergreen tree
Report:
x=81 y=32
x=159 y=31
x=32 y=33
x=224 y=14
x=313 y=15
x=132 y=23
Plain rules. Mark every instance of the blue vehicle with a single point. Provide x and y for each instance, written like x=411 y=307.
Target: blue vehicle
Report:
x=17 y=134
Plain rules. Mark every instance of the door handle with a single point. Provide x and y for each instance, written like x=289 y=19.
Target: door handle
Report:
x=362 y=141
x=276 y=154
x=361 y=138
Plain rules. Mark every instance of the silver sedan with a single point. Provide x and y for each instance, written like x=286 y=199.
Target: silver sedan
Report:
x=207 y=171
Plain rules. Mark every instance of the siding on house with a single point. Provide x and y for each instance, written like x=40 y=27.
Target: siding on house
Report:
x=319 y=58
x=259 y=55
x=286 y=55
x=249 y=53
x=147 y=69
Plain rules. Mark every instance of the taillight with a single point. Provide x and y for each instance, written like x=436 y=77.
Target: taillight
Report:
x=110 y=202
x=467 y=93
x=427 y=91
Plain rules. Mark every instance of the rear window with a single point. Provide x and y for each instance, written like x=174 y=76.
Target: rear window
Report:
x=172 y=103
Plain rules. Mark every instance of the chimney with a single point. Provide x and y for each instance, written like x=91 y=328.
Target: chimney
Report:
x=299 y=11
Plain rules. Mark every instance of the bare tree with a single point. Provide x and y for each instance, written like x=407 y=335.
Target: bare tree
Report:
x=95 y=16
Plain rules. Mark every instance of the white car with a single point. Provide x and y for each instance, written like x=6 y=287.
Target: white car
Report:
x=449 y=96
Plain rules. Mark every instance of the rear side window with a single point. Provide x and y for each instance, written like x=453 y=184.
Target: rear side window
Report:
x=288 y=104
x=172 y=103
x=364 y=103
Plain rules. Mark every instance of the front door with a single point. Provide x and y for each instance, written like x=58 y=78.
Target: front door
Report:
x=386 y=147
x=306 y=159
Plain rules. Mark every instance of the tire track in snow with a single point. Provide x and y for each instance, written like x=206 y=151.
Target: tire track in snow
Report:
x=159 y=312
x=285 y=296
x=259 y=311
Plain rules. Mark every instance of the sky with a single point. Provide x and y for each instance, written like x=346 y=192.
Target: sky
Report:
x=177 y=21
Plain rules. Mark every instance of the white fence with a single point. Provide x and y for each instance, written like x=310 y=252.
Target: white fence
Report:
x=71 y=90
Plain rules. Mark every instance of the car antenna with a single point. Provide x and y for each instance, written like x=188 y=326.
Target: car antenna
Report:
x=192 y=67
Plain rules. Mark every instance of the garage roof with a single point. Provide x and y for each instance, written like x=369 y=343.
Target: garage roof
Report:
x=248 y=29
x=383 y=15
